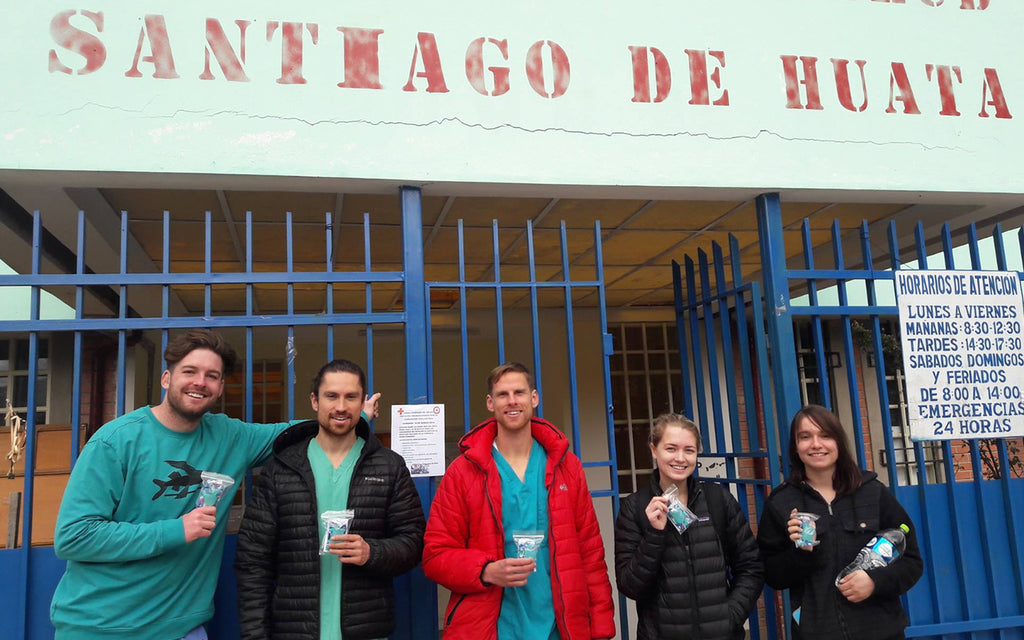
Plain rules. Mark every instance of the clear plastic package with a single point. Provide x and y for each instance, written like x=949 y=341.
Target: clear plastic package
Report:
x=678 y=514
x=335 y=524
x=528 y=543
x=213 y=488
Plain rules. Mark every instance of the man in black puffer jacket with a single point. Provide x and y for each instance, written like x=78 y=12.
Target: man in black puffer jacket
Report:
x=286 y=589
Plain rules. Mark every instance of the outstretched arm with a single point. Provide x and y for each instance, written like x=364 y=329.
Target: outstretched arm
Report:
x=87 y=527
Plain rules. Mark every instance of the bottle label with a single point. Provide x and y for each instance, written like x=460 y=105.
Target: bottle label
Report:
x=883 y=548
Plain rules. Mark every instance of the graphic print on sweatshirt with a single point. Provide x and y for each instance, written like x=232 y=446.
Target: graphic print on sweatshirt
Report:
x=180 y=483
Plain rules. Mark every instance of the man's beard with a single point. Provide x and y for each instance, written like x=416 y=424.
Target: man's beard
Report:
x=187 y=414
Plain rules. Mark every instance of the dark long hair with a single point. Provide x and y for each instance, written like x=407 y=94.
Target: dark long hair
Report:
x=846 y=477
x=340 y=365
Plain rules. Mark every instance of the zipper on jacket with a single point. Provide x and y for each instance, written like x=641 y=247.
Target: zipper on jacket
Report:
x=451 y=614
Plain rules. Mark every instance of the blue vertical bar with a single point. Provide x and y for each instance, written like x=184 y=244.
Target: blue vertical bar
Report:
x=714 y=372
x=165 y=292
x=780 y=322
x=851 y=368
x=607 y=344
x=820 y=352
x=22 y=618
x=574 y=399
x=290 y=340
x=534 y=313
x=208 y=267
x=771 y=440
x=249 y=294
x=329 y=267
x=76 y=379
x=947 y=449
x=746 y=371
x=698 y=364
x=463 y=330
x=684 y=361
x=727 y=364
x=923 y=528
x=1004 y=461
x=978 y=476
x=369 y=307
x=123 y=313
x=422 y=604
x=498 y=306
x=879 y=354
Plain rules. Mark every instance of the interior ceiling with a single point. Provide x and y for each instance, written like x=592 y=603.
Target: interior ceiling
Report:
x=639 y=241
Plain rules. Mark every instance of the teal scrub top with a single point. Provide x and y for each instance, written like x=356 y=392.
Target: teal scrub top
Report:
x=528 y=612
x=332 y=487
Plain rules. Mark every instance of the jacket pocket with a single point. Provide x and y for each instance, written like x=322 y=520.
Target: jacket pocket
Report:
x=451 y=611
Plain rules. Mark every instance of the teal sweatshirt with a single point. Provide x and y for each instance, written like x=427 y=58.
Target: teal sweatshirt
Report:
x=129 y=572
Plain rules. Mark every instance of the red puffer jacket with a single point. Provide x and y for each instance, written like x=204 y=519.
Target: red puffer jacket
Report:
x=464 y=533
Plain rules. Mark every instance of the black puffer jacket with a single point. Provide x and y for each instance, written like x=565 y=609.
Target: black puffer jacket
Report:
x=692 y=585
x=843 y=528
x=277 y=562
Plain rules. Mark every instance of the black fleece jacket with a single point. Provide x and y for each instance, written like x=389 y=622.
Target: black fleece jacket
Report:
x=843 y=528
x=692 y=585
x=277 y=562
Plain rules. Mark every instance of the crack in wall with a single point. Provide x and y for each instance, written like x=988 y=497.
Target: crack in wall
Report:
x=520 y=128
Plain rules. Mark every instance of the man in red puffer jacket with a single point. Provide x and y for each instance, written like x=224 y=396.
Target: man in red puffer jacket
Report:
x=515 y=476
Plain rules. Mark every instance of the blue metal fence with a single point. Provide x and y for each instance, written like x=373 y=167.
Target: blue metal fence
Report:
x=967 y=509
x=31 y=573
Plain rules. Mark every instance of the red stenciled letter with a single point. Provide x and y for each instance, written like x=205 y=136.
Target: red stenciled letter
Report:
x=426 y=47
x=475 y=67
x=898 y=79
x=81 y=42
x=793 y=83
x=217 y=43
x=155 y=30
x=291 y=48
x=641 y=75
x=841 y=68
x=944 y=75
x=969 y=4
x=991 y=85
x=699 y=77
x=362 y=63
x=559 y=65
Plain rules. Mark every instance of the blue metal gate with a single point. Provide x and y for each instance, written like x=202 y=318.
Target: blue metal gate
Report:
x=31 y=572
x=841 y=321
x=289 y=302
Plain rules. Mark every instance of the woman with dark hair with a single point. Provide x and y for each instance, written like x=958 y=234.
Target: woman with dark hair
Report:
x=852 y=506
x=698 y=583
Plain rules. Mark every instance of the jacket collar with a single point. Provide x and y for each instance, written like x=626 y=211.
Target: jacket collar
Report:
x=291 y=444
x=476 y=445
x=691 y=484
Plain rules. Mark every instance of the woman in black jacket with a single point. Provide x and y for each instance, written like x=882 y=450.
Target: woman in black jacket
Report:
x=852 y=506
x=698 y=584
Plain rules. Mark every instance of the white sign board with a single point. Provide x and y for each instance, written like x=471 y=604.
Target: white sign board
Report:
x=803 y=94
x=417 y=434
x=962 y=353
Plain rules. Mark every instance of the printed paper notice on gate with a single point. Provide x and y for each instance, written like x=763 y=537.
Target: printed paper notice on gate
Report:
x=417 y=434
x=962 y=353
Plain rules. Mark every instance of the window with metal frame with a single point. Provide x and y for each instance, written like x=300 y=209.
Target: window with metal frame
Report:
x=267 y=392
x=14 y=380
x=903 y=447
x=645 y=378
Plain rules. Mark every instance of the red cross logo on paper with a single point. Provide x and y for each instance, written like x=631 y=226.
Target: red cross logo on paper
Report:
x=401 y=410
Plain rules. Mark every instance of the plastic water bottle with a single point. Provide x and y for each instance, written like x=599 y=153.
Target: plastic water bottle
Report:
x=880 y=550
